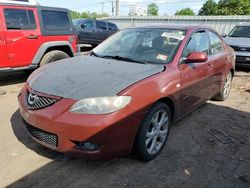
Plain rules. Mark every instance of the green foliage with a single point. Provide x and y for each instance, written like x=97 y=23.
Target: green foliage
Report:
x=185 y=12
x=226 y=7
x=75 y=14
x=153 y=9
x=209 y=8
x=233 y=7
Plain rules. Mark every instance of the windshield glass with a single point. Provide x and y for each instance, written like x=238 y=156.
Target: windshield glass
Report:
x=142 y=45
x=241 y=31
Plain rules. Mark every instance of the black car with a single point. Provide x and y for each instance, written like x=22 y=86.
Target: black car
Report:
x=93 y=31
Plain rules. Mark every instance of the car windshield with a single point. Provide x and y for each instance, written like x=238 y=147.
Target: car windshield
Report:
x=142 y=45
x=241 y=31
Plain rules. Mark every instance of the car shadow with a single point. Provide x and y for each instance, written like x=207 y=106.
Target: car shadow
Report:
x=191 y=158
x=15 y=77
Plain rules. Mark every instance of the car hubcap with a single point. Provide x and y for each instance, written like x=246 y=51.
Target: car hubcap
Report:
x=157 y=132
x=227 y=85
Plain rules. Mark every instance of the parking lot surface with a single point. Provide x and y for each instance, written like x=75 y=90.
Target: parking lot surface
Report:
x=191 y=158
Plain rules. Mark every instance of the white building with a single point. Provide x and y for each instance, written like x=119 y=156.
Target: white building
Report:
x=138 y=10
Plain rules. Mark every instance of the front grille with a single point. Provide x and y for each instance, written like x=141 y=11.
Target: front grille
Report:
x=43 y=136
x=241 y=49
x=242 y=59
x=39 y=102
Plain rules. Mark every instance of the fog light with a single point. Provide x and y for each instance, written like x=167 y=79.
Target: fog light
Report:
x=87 y=146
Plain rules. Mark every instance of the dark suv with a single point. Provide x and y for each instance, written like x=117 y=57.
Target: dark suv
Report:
x=93 y=31
x=31 y=36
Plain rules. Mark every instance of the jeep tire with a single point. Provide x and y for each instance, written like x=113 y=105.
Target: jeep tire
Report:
x=52 y=56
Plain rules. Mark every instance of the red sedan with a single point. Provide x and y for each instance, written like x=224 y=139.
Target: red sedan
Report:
x=123 y=97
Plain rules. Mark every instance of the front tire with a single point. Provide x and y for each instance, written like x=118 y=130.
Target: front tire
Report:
x=52 y=56
x=223 y=95
x=153 y=132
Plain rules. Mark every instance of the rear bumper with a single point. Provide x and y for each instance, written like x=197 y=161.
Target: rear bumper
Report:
x=60 y=130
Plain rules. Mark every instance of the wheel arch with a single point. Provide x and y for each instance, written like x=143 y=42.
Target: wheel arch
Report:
x=63 y=46
x=168 y=101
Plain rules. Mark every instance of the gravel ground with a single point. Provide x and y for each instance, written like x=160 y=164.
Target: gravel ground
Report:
x=191 y=158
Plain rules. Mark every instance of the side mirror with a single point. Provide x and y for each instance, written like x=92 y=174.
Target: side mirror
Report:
x=196 y=57
x=224 y=35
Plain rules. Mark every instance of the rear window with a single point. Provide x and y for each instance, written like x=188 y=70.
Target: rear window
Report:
x=19 y=19
x=112 y=27
x=101 y=25
x=55 y=20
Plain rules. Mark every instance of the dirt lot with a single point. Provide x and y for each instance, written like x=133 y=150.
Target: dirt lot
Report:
x=191 y=158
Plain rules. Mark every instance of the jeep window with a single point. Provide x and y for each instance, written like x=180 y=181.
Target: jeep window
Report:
x=215 y=43
x=112 y=27
x=240 y=31
x=55 y=20
x=101 y=25
x=19 y=19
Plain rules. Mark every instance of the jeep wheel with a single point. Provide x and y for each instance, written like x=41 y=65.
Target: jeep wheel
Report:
x=52 y=56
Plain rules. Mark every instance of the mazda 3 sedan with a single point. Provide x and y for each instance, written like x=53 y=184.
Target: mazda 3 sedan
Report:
x=123 y=97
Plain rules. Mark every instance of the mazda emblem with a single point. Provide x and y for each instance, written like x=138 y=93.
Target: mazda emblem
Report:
x=32 y=98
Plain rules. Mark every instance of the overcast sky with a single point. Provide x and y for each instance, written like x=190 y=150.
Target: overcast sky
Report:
x=168 y=7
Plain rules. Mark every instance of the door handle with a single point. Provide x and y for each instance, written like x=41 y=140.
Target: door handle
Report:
x=32 y=37
x=210 y=66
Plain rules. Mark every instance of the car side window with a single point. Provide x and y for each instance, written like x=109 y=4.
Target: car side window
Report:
x=112 y=27
x=101 y=25
x=215 y=43
x=197 y=43
x=19 y=19
x=89 y=24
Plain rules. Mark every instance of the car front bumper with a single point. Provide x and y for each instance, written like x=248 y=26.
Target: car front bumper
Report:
x=58 y=129
x=242 y=58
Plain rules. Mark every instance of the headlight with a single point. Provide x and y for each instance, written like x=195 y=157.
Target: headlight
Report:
x=100 y=105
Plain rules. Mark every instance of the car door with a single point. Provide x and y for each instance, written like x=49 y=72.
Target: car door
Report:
x=218 y=60
x=194 y=76
x=22 y=35
x=87 y=32
x=102 y=31
x=3 y=54
x=112 y=28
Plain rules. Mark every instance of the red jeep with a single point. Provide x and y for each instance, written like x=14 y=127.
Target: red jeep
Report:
x=33 y=35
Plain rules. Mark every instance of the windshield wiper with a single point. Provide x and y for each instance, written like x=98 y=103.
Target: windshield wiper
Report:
x=93 y=53
x=121 y=58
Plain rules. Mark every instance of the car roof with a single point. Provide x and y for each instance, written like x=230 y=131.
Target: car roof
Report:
x=32 y=6
x=173 y=26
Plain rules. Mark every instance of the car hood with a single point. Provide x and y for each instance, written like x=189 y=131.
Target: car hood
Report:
x=237 y=41
x=86 y=76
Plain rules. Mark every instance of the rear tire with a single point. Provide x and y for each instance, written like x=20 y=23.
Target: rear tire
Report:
x=153 y=132
x=223 y=95
x=52 y=56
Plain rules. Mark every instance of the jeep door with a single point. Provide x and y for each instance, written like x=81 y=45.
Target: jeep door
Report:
x=195 y=77
x=3 y=54
x=22 y=34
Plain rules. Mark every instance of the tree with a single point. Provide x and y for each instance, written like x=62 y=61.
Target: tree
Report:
x=185 y=12
x=153 y=9
x=233 y=7
x=209 y=8
x=75 y=15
